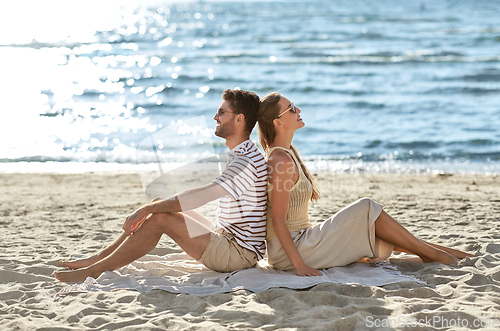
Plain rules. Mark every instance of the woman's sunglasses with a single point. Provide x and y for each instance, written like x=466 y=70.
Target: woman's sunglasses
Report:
x=292 y=109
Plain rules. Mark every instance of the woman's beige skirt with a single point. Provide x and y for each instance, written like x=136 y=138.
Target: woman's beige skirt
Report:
x=346 y=237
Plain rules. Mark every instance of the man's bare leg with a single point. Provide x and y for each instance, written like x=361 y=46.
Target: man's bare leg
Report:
x=389 y=230
x=85 y=262
x=143 y=241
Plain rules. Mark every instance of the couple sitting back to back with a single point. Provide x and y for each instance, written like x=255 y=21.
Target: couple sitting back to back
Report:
x=259 y=203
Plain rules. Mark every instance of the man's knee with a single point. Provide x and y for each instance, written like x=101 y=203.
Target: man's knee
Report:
x=167 y=220
x=160 y=217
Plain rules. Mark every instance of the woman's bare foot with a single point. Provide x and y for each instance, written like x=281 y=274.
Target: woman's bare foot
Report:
x=459 y=254
x=426 y=259
x=75 y=275
x=433 y=254
x=447 y=259
x=441 y=257
x=455 y=252
x=80 y=263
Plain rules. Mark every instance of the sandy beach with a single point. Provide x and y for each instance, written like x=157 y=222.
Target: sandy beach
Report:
x=48 y=217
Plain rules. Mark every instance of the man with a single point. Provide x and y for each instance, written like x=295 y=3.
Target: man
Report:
x=239 y=239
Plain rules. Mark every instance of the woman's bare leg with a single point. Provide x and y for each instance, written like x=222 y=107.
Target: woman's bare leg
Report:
x=389 y=230
x=401 y=249
x=455 y=252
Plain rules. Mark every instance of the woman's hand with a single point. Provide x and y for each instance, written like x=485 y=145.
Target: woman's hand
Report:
x=134 y=220
x=305 y=270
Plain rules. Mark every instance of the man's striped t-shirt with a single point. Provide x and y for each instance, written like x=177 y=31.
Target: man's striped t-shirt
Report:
x=243 y=212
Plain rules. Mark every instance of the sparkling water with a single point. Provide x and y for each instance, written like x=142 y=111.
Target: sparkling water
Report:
x=382 y=85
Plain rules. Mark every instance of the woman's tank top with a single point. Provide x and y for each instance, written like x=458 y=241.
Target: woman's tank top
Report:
x=297 y=217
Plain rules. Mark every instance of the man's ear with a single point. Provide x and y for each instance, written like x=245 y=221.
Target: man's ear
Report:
x=240 y=118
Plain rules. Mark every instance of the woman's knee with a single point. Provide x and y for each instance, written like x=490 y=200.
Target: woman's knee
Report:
x=365 y=201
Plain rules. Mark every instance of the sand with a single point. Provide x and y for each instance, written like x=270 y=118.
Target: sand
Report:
x=47 y=217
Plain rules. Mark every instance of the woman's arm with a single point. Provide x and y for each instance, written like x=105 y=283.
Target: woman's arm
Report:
x=281 y=170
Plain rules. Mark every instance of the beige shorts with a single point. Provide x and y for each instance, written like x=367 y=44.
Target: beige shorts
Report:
x=224 y=254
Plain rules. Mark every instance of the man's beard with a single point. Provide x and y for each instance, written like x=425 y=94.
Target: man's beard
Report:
x=225 y=130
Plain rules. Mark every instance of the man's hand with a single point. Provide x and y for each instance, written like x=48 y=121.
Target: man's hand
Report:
x=134 y=220
x=305 y=270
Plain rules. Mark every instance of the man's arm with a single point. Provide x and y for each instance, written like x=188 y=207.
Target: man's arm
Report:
x=187 y=200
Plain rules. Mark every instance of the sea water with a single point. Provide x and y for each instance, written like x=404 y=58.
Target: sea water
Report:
x=384 y=86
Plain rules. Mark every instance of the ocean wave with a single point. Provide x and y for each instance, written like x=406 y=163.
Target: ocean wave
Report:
x=491 y=75
x=474 y=142
x=426 y=145
x=372 y=59
x=319 y=45
x=462 y=90
x=314 y=164
x=364 y=105
x=468 y=30
x=408 y=152
x=232 y=54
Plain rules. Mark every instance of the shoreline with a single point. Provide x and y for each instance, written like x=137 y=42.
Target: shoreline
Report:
x=48 y=217
x=316 y=165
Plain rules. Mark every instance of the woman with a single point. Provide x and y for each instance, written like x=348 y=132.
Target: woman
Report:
x=359 y=231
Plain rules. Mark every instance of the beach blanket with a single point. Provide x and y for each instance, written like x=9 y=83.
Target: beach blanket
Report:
x=179 y=273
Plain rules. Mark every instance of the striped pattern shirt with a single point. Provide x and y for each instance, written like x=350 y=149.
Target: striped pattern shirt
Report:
x=243 y=213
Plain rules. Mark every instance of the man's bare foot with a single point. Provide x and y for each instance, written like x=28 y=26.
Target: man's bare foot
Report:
x=75 y=275
x=80 y=263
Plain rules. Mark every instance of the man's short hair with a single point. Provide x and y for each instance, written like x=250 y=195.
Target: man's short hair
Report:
x=243 y=102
